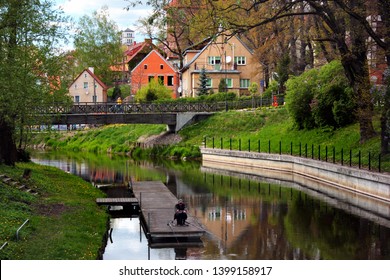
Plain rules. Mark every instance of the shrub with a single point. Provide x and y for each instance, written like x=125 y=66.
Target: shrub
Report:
x=153 y=91
x=299 y=96
x=320 y=98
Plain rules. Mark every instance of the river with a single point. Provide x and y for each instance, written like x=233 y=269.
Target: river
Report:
x=246 y=218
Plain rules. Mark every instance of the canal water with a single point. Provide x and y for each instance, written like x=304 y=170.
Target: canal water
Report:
x=245 y=217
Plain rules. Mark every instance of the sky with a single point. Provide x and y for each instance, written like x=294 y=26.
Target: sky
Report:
x=123 y=18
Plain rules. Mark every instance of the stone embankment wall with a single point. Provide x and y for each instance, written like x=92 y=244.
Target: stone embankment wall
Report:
x=345 y=181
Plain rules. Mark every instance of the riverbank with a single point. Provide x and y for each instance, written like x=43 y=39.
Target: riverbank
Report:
x=270 y=125
x=64 y=222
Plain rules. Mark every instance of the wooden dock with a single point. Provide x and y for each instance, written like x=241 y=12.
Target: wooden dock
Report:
x=117 y=201
x=157 y=206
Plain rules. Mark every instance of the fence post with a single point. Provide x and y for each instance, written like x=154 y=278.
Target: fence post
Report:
x=221 y=143
x=369 y=160
x=300 y=149
x=360 y=159
x=213 y=143
x=249 y=145
x=258 y=145
x=319 y=152
x=334 y=155
x=269 y=146
x=342 y=156
x=230 y=140
x=239 y=144
x=312 y=151
x=326 y=153
x=291 y=148
x=350 y=157
x=379 y=164
x=280 y=147
x=205 y=145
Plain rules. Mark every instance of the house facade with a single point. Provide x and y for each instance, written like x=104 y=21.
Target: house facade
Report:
x=226 y=58
x=154 y=66
x=87 y=87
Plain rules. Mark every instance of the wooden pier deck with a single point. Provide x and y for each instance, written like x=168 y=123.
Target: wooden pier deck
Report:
x=117 y=201
x=157 y=205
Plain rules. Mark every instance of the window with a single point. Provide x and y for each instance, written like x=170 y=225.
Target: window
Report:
x=213 y=60
x=161 y=66
x=85 y=85
x=240 y=60
x=85 y=75
x=94 y=98
x=77 y=99
x=170 y=81
x=160 y=80
x=145 y=66
x=150 y=78
x=229 y=82
x=209 y=83
x=244 y=83
x=75 y=86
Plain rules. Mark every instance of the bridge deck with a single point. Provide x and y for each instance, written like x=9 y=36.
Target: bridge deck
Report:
x=157 y=209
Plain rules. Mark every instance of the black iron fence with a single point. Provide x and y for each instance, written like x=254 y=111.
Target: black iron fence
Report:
x=372 y=161
x=155 y=107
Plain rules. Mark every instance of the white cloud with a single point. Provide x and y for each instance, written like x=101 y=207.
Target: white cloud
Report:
x=116 y=8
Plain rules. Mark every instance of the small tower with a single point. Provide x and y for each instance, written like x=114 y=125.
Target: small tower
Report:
x=127 y=37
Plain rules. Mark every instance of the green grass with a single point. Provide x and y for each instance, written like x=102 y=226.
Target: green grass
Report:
x=275 y=132
x=245 y=130
x=118 y=139
x=65 y=222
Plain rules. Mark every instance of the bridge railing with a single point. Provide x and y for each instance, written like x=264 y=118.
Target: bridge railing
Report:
x=132 y=107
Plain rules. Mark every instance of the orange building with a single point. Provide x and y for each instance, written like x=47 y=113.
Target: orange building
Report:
x=154 y=66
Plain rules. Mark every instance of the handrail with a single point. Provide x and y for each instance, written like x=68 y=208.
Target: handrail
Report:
x=2 y=246
x=17 y=232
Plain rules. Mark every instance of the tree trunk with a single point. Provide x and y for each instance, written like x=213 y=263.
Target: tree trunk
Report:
x=8 y=151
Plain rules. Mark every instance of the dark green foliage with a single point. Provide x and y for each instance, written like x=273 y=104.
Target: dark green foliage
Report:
x=283 y=71
x=222 y=87
x=203 y=90
x=320 y=98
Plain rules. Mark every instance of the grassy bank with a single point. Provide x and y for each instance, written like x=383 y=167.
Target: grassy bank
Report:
x=271 y=126
x=64 y=221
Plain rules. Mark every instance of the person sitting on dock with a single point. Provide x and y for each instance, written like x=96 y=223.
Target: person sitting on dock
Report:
x=181 y=213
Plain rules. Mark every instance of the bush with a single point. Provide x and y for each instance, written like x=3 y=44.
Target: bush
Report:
x=320 y=98
x=153 y=91
x=299 y=96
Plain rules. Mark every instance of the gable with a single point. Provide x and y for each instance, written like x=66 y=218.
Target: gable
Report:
x=94 y=77
x=154 y=59
x=216 y=47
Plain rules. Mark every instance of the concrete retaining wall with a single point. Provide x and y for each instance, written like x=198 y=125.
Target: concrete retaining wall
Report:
x=295 y=168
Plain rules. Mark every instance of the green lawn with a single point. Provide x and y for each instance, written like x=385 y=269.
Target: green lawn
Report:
x=64 y=221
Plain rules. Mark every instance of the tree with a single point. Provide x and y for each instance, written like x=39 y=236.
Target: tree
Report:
x=346 y=26
x=98 y=44
x=203 y=80
x=29 y=67
x=222 y=87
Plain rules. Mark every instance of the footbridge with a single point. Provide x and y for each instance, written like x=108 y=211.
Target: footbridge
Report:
x=174 y=114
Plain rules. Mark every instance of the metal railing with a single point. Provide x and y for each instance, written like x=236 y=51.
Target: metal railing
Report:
x=152 y=107
x=372 y=161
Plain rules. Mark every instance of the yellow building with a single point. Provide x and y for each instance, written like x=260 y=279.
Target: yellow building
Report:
x=222 y=58
x=87 y=87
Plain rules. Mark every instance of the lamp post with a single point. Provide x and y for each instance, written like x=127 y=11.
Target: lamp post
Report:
x=226 y=85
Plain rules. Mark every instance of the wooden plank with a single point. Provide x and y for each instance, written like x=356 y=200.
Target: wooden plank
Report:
x=117 y=201
x=157 y=204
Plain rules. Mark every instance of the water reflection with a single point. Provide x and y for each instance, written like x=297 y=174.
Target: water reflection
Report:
x=245 y=217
